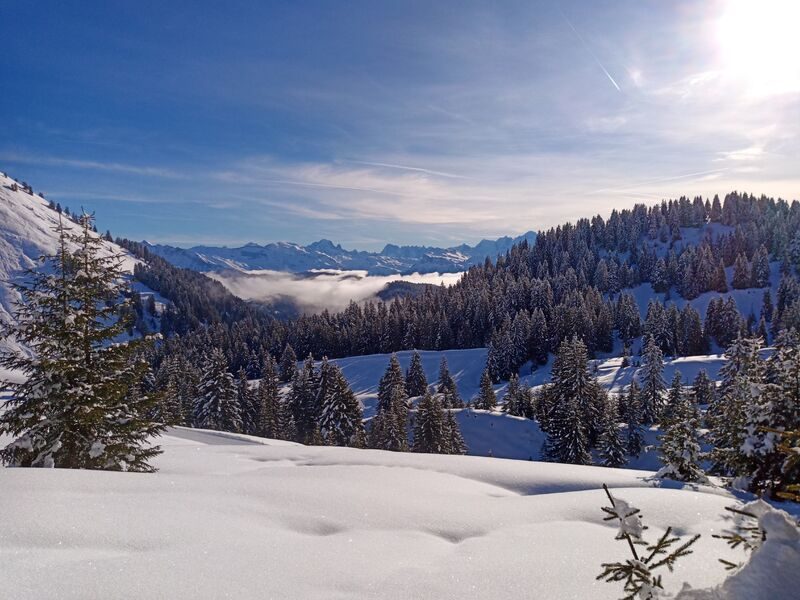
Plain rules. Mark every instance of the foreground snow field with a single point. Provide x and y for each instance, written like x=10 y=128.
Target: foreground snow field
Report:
x=229 y=516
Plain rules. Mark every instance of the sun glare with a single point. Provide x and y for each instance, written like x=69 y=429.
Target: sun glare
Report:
x=760 y=44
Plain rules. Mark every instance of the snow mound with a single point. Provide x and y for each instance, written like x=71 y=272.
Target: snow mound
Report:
x=239 y=518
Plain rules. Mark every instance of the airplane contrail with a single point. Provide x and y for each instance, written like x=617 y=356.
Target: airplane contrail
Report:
x=591 y=53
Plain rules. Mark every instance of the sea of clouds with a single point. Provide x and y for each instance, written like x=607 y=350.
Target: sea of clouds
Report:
x=318 y=290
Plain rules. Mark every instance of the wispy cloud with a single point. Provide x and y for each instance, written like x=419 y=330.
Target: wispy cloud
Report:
x=74 y=163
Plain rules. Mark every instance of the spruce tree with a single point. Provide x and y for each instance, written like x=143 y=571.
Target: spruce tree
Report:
x=271 y=411
x=416 y=382
x=742 y=379
x=611 y=445
x=389 y=428
x=430 y=434
x=486 y=400
x=774 y=410
x=566 y=424
x=75 y=408
x=634 y=438
x=516 y=400
x=340 y=419
x=248 y=406
x=391 y=384
x=652 y=381
x=303 y=403
x=680 y=446
x=455 y=441
x=446 y=386
x=217 y=405
x=288 y=364
x=741 y=273
x=703 y=389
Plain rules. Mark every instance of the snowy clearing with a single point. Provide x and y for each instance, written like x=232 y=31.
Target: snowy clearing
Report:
x=226 y=518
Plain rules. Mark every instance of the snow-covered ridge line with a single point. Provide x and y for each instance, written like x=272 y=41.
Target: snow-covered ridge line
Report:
x=324 y=254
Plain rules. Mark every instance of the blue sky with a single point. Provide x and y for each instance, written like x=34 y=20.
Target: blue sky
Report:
x=409 y=122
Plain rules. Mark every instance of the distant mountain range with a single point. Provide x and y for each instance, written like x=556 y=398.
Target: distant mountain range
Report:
x=324 y=254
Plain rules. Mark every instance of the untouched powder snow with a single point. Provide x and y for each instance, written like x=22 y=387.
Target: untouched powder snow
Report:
x=235 y=517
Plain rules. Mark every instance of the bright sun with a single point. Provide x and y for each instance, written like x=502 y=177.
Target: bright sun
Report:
x=760 y=43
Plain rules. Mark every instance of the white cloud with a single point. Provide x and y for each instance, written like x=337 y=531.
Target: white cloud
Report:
x=332 y=290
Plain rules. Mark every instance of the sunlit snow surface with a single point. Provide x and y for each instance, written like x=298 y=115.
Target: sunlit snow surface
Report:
x=235 y=517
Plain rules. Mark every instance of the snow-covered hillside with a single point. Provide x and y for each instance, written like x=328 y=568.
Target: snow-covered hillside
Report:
x=324 y=254
x=27 y=231
x=232 y=517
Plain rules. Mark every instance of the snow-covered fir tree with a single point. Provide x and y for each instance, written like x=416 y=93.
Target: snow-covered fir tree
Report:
x=774 y=410
x=341 y=418
x=517 y=399
x=248 y=404
x=572 y=390
x=217 y=405
x=430 y=433
x=703 y=389
x=273 y=415
x=742 y=379
x=486 y=400
x=389 y=427
x=391 y=381
x=446 y=386
x=742 y=277
x=304 y=404
x=78 y=405
x=171 y=401
x=288 y=364
x=651 y=377
x=680 y=446
x=455 y=441
x=416 y=382
x=634 y=436
x=611 y=445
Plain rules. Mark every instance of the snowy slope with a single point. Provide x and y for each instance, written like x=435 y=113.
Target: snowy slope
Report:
x=324 y=254
x=27 y=231
x=495 y=433
x=225 y=518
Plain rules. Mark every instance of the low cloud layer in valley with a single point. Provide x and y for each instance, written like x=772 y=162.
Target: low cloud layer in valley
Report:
x=316 y=291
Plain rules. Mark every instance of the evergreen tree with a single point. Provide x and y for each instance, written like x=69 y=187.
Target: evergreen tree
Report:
x=446 y=386
x=761 y=271
x=611 y=445
x=416 y=382
x=75 y=408
x=652 y=380
x=288 y=367
x=272 y=413
x=248 y=405
x=391 y=384
x=675 y=398
x=303 y=404
x=217 y=406
x=741 y=273
x=455 y=441
x=774 y=410
x=172 y=402
x=341 y=419
x=634 y=440
x=517 y=399
x=487 y=400
x=389 y=429
x=742 y=377
x=680 y=448
x=430 y=434
x=572 y=393
x=703 y=389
